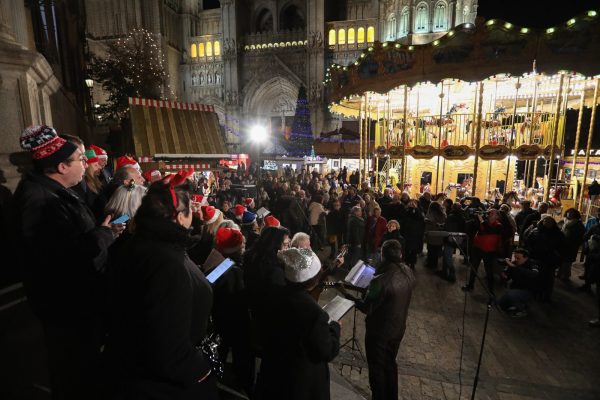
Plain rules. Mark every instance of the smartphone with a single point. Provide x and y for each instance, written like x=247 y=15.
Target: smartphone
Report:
x=121 y=220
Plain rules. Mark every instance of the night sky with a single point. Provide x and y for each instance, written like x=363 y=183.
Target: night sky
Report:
x=536 y=14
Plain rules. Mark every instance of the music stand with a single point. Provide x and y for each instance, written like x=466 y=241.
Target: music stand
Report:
x=357 y=358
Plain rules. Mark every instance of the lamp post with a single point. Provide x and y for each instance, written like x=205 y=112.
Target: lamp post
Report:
x=258 y=135
x=89 y=83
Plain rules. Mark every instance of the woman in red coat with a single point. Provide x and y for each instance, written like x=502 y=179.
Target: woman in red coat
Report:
x=375 y=229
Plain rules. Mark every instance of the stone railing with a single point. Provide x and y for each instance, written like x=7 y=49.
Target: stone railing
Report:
x=350 y=35
x=274 y=40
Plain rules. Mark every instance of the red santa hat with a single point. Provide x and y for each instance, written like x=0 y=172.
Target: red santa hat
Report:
x=228 y=240
x=152 y=175
x=100 y=152
x=272 y=221
x=127 y=160
x=210 y=214
x=239 y=211
x=198 y=198
x=249 y=202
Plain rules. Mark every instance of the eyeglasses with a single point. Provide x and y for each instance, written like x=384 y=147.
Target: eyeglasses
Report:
x=82 y=159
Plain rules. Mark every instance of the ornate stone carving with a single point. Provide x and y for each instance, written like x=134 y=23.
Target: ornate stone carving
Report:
x=315 y=93
x=315 y=40
x=229 y=47
x=232 y=98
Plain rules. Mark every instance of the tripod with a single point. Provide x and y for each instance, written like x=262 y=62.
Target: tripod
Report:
x=492 y=299
x=357 y=357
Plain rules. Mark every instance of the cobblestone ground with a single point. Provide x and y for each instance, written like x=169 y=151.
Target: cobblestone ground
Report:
x=551 y=354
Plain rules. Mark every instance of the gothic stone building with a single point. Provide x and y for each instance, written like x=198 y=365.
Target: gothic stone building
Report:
x=248 y=58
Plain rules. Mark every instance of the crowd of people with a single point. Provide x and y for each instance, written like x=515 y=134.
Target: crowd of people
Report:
x=115 y=267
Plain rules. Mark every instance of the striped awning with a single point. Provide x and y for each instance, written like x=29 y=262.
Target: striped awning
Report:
x=170 y=127
x=187 y=166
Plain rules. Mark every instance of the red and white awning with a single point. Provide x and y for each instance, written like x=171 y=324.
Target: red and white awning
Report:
x=187 y=166
x=171 y=104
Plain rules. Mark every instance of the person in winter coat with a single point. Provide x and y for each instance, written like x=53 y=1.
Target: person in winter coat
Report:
x=300 y=339
x=375 y=228
x=316 y=217
x=455 y=222
x=412 y=228
x=434 y=222
x=592 y=273
x=159 y=306
x=509 y=227
x=386 y=305
x=393 y=233
x=355 y=235
x=335 y=225
x=485 y=248
x=544 y=244
x=522 y=274
x=574 y=231
x=62 y=254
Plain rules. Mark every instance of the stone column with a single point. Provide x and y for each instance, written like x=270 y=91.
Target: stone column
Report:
x=230 y=83
x=7 y=33
x=315 y=65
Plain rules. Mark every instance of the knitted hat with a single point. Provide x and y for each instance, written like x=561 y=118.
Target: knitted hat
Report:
x=46 y=147
x=300 y=264
x=100 y=152
x=127 y=160
x=248 y=217
x=152 y=175
x=249 y=202
x=210 y=214
x=91 y=156
x=239 y=211
x=272 y=221
x=228 y=240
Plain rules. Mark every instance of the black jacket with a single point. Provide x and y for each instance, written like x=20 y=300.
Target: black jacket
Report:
x=545 y=245
x=63 y=252
x=355 y=232
x=412 y=228
x=300 y=343
x=523 y=277
x=335 y=222
x=159 y=310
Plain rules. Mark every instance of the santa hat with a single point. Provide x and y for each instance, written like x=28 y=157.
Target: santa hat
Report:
x=272 y=221
x=249 y=202
x=47 y=148
x=152 y=175
x=300 y=265
x=228 y=240
x=100 y=152
x=127 y=160
x=248 y=217
x=210 y=214
x=198 y=198
x=91 y=156
x=239 y=211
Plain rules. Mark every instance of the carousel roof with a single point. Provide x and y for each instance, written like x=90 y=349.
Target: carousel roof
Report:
x=492 y=50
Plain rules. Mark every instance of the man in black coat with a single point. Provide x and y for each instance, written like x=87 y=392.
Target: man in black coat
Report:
x=63 y=271
x=523 y=276
x=386 y=307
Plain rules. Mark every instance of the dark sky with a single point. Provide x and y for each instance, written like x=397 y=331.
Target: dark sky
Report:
x=535 y=13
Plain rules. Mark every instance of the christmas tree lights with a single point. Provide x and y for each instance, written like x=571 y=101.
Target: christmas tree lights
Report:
x=301 y=138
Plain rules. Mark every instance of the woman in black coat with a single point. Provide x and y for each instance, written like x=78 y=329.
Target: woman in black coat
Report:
x=412 y=228
x=159 y=307
x=300 y=340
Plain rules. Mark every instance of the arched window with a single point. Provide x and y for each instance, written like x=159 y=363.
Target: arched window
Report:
x=292 y=18
x=370 y=34
x=201 y=50
x=264 y=21
x=351 y=37
x=332 y=37
x=440 y=17
x=217 y=48
x=360 y=35
x=193 y=51
x=422 y=19
x=404 y=21
x=391 y=27
x=209 y=49
x=342 y=36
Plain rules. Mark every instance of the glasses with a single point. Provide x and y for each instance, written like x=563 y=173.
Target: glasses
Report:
x=82 y=159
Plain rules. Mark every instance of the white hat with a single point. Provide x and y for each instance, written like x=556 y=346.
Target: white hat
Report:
x=300 y=264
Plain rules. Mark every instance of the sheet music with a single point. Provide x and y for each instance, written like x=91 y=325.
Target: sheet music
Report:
x=338 y=307
x=219 y=270
x=262 y=212
x=214 y=258
x=360 y=275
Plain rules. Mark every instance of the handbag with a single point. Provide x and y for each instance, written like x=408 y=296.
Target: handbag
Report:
x=210 y=349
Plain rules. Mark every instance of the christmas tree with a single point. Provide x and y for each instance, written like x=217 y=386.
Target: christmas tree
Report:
x=301 y=138
x=134 y=66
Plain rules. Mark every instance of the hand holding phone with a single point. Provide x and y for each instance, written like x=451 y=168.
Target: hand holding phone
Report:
x=121 y=220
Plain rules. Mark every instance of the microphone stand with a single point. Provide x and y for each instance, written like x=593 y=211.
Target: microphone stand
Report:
x=492 y=299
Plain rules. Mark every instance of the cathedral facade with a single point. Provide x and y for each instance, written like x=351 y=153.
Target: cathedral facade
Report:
x=248 y=58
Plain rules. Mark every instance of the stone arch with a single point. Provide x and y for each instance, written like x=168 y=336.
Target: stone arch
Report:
x=263 y=20
x=261 y=98
x=292 y=16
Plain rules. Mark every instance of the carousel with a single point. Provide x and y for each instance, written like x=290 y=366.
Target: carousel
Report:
x=479 y=112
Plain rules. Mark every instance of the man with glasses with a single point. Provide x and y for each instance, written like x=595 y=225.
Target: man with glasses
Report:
x=63 y=255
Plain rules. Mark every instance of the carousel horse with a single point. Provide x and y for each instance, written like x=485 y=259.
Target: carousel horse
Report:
x=512 y=199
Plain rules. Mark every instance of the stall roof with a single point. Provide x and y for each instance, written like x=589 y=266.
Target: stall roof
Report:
x=169 y=127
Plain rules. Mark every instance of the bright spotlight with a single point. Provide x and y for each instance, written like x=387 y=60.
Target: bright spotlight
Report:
x=258 y=133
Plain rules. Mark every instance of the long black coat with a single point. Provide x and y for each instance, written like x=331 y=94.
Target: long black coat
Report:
x=300 y=343
x=63 y=268
x=159 y=307
x=412 y=228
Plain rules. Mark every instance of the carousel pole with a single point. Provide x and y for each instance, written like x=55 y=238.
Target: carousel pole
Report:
x=535 y=163
x=473 y=124
x=576 y=147
x=589 y=145
x=477 y=139
x=437 y=173
x=360 y=134
x=512 y=132
x=445 y=136
x=526 y=172
x=533 y=111
x=554 y=136
x=562 y=131
x=366 y=136
x=404 y=138
x=378 y=133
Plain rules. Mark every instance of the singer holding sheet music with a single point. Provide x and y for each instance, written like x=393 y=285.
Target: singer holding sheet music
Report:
x=300 y=340
x=386 y=307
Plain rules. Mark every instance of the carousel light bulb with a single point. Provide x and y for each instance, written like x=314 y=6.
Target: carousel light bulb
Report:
x=490 y=22
x=524 y=30
x=592 y=13
x=571 y=21
x=550 y=30
x=451 y=33
x=508 y=25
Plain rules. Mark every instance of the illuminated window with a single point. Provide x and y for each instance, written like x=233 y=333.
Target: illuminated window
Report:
x=201 y=50
x=370 y=34
x=421 y=21
x=342 y=36
x=391 y=28
x=194 y=51
x=361 y=35
x=332 y=37
x=351 y=38
x=439 y=17
x=404 y=22
x=217 y=48
x=209 y=49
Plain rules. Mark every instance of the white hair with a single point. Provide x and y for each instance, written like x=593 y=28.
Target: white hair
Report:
x=298 y=239
x=125 y=201
x=227 y=223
